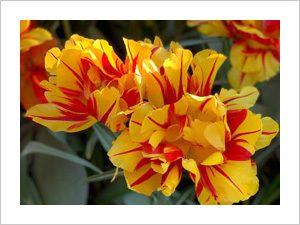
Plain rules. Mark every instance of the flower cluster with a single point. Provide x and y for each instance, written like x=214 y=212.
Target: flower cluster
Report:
x=169 y=121
x=34 y=43
x=255 y=53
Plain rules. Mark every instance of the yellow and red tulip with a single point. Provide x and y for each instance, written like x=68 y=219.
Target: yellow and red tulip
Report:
x=89 y=83
x=175 y=122
x=255 y=54
x=34 y=43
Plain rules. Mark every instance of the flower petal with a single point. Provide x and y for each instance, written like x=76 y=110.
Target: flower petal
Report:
x=105 y=103
x=125 y=153
x=227 y=183
x=51 y=60
x=205 y=65
x=143 y=180
x=270 y=129
x=33 y=38
x=171 y=178
x=243 y=100
x=59 y=119
x=154 y=83
x=176 y=70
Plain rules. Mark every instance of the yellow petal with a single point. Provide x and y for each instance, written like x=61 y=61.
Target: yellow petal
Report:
x=156 y=138
x=51 y=60
x=154 y=83
x=243 y=100
x=211 y=27
x=205 y=66
x=136 y=121
x=248 y=129
x=191 y=166
x=238 y=79
x=58 y=119
x=136 y=53
x=171 y=178
x=228 y=183
x=215 y=135
x=33 y=38
x=176 y=69
x=213 y=159
x=68 y=70
x=270 y=129
x=144 y=180
x=125 y=153
x=24 y=25
x=105 y=103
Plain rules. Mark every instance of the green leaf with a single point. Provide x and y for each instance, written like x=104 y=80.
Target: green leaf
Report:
x=105 y=136
x=60 y=181
x=272 y=192
x=39 y=148
x=133 y=198
x=29 y=194
x=90 y=145
x=113 y=192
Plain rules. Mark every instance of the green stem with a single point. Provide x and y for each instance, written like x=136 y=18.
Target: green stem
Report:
x=108 y=175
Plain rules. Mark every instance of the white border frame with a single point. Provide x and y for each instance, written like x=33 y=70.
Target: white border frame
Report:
x=11 y=210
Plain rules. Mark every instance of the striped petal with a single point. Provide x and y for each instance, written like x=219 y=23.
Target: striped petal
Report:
x=125 y=153
x=33 y=38
x=238 y=79
x=205 y=65
x=246 y=129
x=136 y=122
x=69 y=70
x=227 y=183
x=176 y=71
x=210 y=27
x=136 y=53
x=103 y=56
x=171 y=178
x=105 y=103
x=251 y=65
x=208 y=108
x=51 y=60
x=143 y=180
x=154 y=83
x=243 y=100
x=270 y=129
x=58 y=119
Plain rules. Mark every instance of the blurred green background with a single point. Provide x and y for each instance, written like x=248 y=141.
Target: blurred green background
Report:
x=62 y=168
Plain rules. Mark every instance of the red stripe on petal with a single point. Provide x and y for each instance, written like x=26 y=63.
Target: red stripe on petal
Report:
x=245 y=133
x=105 y=116
x=142 y=163
x=163 y=126
x=228 y=178
x=207 y=87
x=238 y=97
x=268 y=133
x=235 y=118
x=74 y=73
x=203 y=104
x=131 y=96
x=206 y=181
x=128 y=151
x=160 y=86
x=144 y=177
x=136 y=122
x=236 y=152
